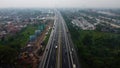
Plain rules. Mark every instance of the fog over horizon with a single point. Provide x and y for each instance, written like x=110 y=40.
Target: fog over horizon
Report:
x=60 y=3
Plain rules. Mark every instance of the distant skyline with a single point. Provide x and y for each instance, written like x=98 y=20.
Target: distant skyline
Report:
x=60 y=3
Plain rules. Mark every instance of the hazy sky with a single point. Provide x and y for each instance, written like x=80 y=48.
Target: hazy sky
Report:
x=61 y=3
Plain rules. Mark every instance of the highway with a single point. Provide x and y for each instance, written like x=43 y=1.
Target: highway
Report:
x=59 y=52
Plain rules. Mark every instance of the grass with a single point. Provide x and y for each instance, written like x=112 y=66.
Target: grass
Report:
x=20 y=38
x=47 y=37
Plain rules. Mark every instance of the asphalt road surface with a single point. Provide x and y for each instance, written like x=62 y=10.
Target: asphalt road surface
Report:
x=59 y=52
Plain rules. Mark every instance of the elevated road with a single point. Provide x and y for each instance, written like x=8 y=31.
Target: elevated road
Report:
x=59 y=52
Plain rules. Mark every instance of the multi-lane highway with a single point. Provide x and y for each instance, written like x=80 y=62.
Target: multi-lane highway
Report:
x=59 y=52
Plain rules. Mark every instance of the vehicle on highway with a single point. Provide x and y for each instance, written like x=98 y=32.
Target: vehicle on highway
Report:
x=74 y=66
x=72 y=49
x=56 y=47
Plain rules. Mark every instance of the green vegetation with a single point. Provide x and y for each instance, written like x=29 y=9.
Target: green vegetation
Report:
x=10 y=46
x=95 y=49
x=99 y=49
x=44 y=43
x=47 y=37
x=8 y=55
x=21 y=38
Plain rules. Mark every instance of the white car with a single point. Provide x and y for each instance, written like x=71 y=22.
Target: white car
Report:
x=74 y=66
x=72 y=49
x=56 y=47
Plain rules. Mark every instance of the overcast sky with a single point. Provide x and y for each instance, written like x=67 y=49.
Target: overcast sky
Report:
x=61 y=3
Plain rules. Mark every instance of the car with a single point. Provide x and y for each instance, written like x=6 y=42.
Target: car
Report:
x=72 y=49
x=74 y=66
x=56 y=47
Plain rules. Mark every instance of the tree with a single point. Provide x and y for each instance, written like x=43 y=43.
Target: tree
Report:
x=7 y=56
x=87 y=40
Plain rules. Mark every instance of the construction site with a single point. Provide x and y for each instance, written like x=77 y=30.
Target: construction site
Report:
x=31 y=54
